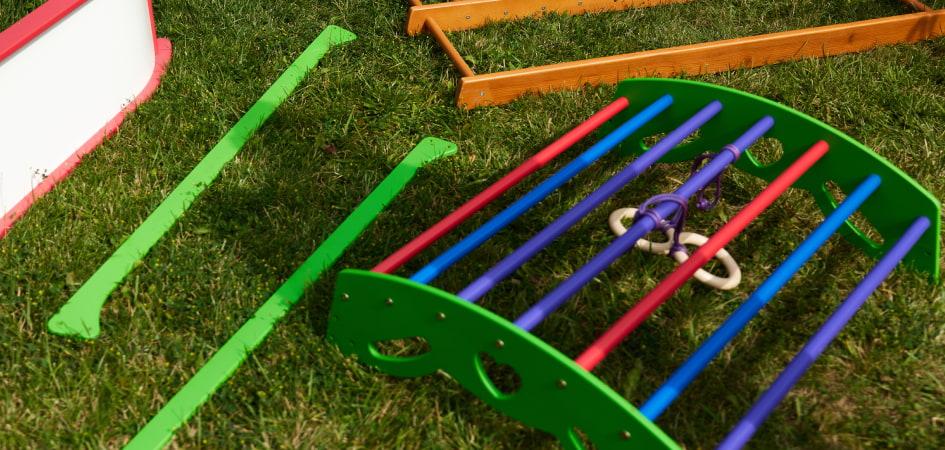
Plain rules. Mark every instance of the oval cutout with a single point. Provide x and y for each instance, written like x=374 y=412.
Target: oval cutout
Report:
x=502 y=378
x=766 y=151
x=580 y=439
x=860 y=224
x=650 y=141
x=405 y=348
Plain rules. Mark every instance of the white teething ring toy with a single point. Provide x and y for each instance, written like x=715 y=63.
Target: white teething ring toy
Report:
x=734 y=277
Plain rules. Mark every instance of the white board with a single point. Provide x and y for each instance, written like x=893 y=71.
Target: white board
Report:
x=73 y=69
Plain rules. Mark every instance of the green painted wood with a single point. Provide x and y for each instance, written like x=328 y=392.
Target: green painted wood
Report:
x=81 y=315
x=890 y=210
x=370 y=307
x=160 y=429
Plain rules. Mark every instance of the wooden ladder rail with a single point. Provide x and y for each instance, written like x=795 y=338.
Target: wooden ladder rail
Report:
x=431 y=25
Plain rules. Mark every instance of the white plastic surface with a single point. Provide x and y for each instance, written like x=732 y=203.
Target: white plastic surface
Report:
x=62 y=88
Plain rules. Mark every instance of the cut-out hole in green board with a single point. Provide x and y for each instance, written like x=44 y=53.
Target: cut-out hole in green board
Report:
x=650 y=141
x=580 y=439
x=502 y=378
x=857 y=221
x=766 y=151
x=406 y=348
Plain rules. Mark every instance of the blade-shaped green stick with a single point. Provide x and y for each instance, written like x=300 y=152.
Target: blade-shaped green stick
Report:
x=80 y=316
x=160 y=429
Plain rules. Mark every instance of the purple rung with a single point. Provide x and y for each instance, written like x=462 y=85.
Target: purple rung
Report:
x=746 y=428
x=640 y=228
x=511 y=263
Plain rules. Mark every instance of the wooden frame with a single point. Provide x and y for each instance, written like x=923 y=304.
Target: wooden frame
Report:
x=697 y=59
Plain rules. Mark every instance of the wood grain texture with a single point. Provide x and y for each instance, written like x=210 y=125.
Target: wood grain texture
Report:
x=468 y=14
x=712 y=57
x=458 y=62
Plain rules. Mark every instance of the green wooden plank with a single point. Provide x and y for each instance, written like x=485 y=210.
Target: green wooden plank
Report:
x=160 y=429
x=81 y=315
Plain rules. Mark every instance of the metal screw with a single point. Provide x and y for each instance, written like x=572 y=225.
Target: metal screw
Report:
x=468 y=17
x=389 y=302
x=345 y=297
x=440 y=316
x=499 y=343
x=625 y=435
x=562 y=384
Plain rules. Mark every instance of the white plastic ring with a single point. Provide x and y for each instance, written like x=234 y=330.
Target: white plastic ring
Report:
x=734 y=277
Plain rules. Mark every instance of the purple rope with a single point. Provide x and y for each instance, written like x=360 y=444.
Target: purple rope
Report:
x=676 y=221
x=701 y=202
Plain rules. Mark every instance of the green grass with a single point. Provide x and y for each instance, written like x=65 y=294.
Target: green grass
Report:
x=880 y=385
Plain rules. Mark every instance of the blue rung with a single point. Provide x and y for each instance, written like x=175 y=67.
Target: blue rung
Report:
x=536 y=195
x=695 y=364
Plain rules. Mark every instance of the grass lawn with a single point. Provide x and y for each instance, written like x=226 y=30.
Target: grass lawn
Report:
x=881 y=385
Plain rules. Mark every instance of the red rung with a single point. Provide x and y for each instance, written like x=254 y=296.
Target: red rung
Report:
x=606 y=343
x=539 y=160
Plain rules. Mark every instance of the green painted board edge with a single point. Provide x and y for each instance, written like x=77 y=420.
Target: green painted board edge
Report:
x=81 y=315
x=894 y=206
x=371 y=307
x=160 y=429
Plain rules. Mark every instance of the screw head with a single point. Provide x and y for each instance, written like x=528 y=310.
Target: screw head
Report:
x=389 y=302
x=562 y=384
x=345 y=297
x=440 y=316
x=499 y=343
x=625 y=435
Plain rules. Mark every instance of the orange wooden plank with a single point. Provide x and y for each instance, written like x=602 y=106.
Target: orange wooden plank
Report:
x=468 y=14
x=434 y=28
x=711 y=57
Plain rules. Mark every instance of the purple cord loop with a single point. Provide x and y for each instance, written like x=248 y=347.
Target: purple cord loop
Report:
x=676 y=222
x=701 y=202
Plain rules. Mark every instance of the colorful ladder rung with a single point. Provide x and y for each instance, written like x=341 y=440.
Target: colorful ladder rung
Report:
x=541 y=159
x=848 y=163
x=593 y=355
x=533 y=197
x=700 y=359
x=504 y=268
x=745 y=428
x=558 y=394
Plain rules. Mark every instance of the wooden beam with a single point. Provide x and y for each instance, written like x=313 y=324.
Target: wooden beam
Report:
x=434 y=28
x=711 y=57
x=917 y=5
x=467 y=14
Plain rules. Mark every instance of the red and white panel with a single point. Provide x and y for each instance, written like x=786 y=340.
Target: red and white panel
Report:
x=69 y=73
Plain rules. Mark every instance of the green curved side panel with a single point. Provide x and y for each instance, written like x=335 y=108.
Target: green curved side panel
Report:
x=895 y=205
x=370 y=307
